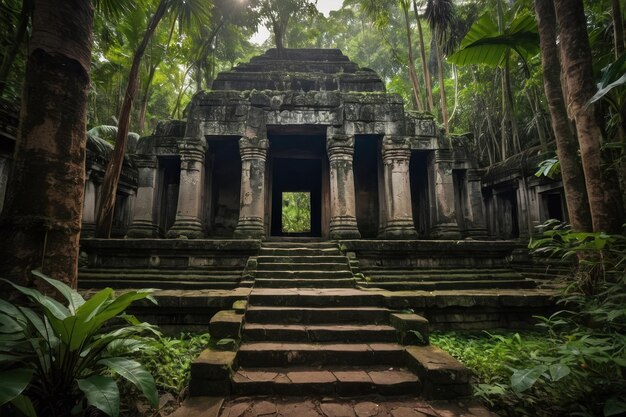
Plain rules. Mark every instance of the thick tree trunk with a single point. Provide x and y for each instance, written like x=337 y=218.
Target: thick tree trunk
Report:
x=602 y=188
x=40 y=225
x=566 y=142
x=427 y=81
x=114 y=168
x=18 y=39
x=417 y=93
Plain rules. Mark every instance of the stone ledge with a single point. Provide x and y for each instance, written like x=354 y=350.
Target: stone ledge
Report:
x=210 y=373
x=226 y=324
x=406 y=324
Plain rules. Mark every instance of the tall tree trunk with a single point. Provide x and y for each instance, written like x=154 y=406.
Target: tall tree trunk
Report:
x=417 y=93
x=603 y=190
x=442 y=87
x=141 y=120
x=510 y=104
x=40 y=226
x=566 y=142
x=104 y=221
x=618 y=28
x=18 y=39
x=427 y=80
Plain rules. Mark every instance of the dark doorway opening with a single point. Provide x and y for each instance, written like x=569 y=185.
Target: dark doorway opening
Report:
x=366 y=160
x=294 y=175
x=508 y=219
x=553 y=207
x=169 y=179
x=420 y=199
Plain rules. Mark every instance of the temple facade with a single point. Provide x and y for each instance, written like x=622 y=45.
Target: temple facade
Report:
x=309 y=121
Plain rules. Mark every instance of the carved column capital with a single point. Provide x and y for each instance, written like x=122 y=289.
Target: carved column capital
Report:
x=192 y=149
x=253 y=148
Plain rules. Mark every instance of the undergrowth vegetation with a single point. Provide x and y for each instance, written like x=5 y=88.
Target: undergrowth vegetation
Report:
x=575 y=362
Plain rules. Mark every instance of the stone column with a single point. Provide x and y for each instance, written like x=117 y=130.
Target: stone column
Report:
x=444 y=225
x=188 y=222
x=396 y=155
x=340 y=150
x=478 y=225
x=144 y=219
x=251 y=223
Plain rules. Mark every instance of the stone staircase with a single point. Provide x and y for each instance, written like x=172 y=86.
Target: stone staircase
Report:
x=306 y=329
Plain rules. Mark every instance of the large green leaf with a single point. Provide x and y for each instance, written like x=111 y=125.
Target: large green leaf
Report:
x=135 y=373
x=23 y=403
x=51 y=306
x=13 y=382
x=74 y=299
x=522 y=379
x=485 y=44
x=102 y=393
x=613 y=76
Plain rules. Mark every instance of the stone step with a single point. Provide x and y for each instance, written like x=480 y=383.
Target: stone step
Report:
x=297 y=245
x=311 y=315
x=306 y=274
x=453 y=285
x=212 y=269
x=445 y=277
x=273 y=354
x=347 y=333
x=305 y=283
x=304 y=266
x=342 y=381
x=441 y=271
x=296 y=259
x=162 y=283
x=291 y=252
x=157 y=276
x=303 y=297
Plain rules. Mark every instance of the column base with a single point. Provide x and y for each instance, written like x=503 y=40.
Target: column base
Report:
x=479 y=233
x=186 y=229
x=400 y=229
x=445 y=231
x=142 y=229
x=250 y=228
x=344 y=227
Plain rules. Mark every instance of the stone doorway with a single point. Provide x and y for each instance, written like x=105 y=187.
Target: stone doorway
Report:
x=298 y=165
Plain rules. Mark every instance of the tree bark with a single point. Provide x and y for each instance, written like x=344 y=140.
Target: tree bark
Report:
x=566 y=142
x=602 y=188
x=141 y=120
x=20 y=34
x=427 y=81
x=104 y=220
x=40 y=224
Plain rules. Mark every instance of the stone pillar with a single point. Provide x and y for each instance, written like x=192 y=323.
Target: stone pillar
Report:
x=340 y=150
x=188 y=222
x=251 y=223
x=444 y=215
x=144 y=219
x=396 y=155
x=476 y=207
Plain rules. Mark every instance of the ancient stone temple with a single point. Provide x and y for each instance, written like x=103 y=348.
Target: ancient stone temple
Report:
x=312 y=121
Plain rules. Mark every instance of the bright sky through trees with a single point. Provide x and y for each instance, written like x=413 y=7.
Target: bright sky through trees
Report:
x=324 y=6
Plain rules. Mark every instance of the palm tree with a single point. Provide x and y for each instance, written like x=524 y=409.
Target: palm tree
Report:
x=440 y=16
x=603 y=190
x=40 y=223
x=187 y=12
x=566 y=142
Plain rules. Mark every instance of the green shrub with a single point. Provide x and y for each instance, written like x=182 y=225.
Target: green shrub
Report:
x=57 y=360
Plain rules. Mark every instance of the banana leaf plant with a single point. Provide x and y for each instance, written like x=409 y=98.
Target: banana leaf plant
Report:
x=58 y=359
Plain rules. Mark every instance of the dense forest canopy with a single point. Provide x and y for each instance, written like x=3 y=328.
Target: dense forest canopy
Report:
x=181 y=60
